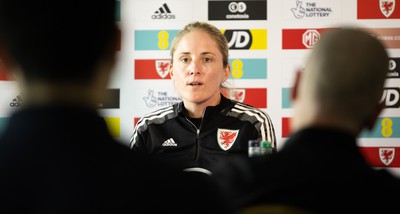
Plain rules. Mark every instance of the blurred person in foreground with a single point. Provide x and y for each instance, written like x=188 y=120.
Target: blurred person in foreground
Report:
x=56 y=153
x=320 y=168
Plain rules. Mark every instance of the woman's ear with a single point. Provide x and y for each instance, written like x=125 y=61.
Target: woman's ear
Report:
x=227 y=72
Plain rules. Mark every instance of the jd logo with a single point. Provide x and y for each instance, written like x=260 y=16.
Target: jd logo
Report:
x=391 y=97
x=238 y=39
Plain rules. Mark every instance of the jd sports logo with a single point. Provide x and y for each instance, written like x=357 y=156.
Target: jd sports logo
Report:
x=391 y=97
x=163 y=13
x=250 y=39
x=238 y=39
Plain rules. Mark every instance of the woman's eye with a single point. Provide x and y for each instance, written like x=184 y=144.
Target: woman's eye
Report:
x=207 y=60
x=184 y=60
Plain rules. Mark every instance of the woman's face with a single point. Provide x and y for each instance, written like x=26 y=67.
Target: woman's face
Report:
x=197 y=69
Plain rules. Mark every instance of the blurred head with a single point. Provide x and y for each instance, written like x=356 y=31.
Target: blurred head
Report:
x=57 y=41
x=199 y=63
x=344 y=77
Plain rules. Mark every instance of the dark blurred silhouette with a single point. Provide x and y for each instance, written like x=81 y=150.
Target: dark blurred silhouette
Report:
x=320 y=169
x=56 y=153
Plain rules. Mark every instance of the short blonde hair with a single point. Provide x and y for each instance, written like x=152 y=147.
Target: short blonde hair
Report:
x=214 y=32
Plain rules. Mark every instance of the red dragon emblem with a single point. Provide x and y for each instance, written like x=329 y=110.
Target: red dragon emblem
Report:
x=162 y=67
x=387 y=7
x=226 y=138
x=386 y=155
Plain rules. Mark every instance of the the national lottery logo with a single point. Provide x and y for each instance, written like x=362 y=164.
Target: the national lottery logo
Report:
x=299 y=11
x=159 y=99
x=387 y=7
x=311 y=38
x=310 y=9
x=386 y=155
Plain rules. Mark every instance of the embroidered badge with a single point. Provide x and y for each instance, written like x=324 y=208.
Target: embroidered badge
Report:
x=226 y=138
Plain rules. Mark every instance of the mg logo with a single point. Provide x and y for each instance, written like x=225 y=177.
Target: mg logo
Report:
x=238 y=39
x=310 y=38
x=237 y=7
x=391 y=98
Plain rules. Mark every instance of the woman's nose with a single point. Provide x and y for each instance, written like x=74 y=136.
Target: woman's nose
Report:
x=195 y=68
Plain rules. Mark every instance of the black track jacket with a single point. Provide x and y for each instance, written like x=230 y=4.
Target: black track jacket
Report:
x=224 y=132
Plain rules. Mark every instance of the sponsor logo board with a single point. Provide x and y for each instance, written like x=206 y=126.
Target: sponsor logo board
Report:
x=389 y=36
x=154 y=39
x=248 y=68
x=237 y=10
x=385 y=127
x=246 y=39
x=256 y=97
x=301 y=38
x=311 y=10
x=152 y=68
x=382 y=156
x=378 y=9
x=394 y=68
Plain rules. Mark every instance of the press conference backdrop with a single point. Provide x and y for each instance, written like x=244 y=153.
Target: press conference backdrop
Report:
x=268 y=40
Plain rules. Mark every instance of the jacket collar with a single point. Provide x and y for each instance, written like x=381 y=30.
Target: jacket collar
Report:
x=210 y=110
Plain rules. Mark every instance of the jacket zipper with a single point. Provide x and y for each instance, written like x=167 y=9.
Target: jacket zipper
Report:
x=197 y=155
